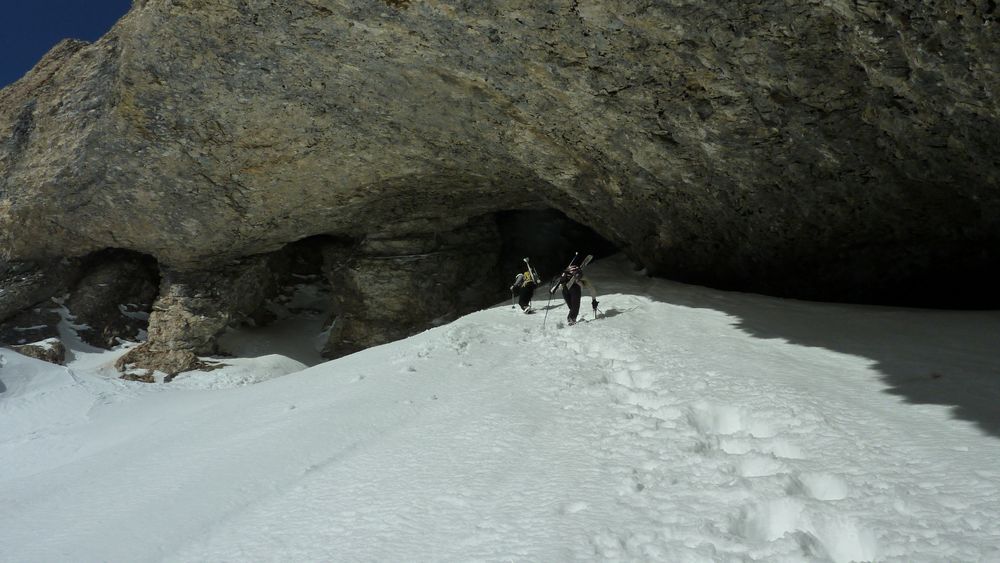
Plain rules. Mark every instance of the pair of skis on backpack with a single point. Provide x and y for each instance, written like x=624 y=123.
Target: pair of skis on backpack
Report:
x=529 y=276
x=564 y=277
x=570 y=276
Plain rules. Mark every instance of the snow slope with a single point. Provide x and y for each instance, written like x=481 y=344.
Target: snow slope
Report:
x=686 y=425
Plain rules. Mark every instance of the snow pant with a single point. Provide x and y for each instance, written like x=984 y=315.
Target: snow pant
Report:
x=525 y=294
x=572 y=297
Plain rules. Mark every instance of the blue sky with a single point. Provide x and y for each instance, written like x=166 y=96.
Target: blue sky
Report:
x=29 y=28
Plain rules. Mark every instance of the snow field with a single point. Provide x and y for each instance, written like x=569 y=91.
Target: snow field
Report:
x=665 y=431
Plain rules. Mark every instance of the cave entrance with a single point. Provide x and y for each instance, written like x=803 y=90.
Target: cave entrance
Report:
x=292 y=319
x=335 y=296
x=548 y=238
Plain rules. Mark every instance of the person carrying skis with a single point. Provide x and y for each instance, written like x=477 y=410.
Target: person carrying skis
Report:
x=525 y=284
x=573 y=282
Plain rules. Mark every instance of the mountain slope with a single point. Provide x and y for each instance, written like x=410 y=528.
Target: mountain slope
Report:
x=671 y=429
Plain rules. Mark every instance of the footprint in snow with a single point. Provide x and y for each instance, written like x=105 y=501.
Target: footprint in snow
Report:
x=820 y=535
x=711 y=420
x=777 y=447
x=841 y=539
x=769 y=520
x=819 y=486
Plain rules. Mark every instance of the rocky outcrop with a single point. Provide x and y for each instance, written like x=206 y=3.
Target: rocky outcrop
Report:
x=193 y=307
x=50 y=350
x=32 y=284
x=382 y=288
x=33 y=324
x=106 y=298
x=834 y=150
x=28 y=314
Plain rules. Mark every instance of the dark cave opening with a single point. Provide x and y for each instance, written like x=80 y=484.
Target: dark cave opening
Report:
x=380 y=289
x=107 y=295
x=298 y=293
x=548 y=238
x=114 y=296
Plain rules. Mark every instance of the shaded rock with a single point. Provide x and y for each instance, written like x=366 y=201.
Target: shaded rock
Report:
x=27 y=284
x=193 y=307
x=49 y=350
x=547 y=238
x=113 y=299
x=385 y=289
x=31 y=325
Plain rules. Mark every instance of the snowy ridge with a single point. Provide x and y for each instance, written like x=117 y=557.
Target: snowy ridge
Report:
x=666 y=431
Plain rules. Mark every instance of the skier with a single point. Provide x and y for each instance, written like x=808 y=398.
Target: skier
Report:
x=525 y=284
x=573 y=282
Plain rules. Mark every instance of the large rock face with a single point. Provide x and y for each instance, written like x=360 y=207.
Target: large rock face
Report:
x=820 y=149
x=387 y=288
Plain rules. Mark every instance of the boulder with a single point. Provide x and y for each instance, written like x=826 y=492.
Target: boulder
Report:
x=49 y=350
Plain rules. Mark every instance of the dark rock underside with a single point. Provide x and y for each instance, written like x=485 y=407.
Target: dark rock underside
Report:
x=836 y=150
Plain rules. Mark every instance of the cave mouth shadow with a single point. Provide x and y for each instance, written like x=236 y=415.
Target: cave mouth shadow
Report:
x=549 y=239
x=482 y=275
x=294 y=312
x=925 y=356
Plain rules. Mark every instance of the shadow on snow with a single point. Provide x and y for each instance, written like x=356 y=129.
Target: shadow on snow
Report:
x=925 y=356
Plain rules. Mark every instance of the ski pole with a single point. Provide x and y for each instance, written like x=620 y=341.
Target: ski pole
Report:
x=546 y=312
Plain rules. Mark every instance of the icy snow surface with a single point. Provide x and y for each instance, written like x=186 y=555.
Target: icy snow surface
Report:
x=687 y=424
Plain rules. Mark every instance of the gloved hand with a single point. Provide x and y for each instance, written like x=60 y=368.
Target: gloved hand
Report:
x=593 y=303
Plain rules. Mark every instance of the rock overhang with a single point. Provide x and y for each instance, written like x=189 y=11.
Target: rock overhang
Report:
x=798 y=150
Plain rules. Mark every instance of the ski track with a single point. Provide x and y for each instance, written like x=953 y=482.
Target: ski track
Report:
x=615 y=440
x=749 y=444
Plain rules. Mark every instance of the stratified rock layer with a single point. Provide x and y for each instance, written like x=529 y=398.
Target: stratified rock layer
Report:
x=387 y=289
x=841 y=150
